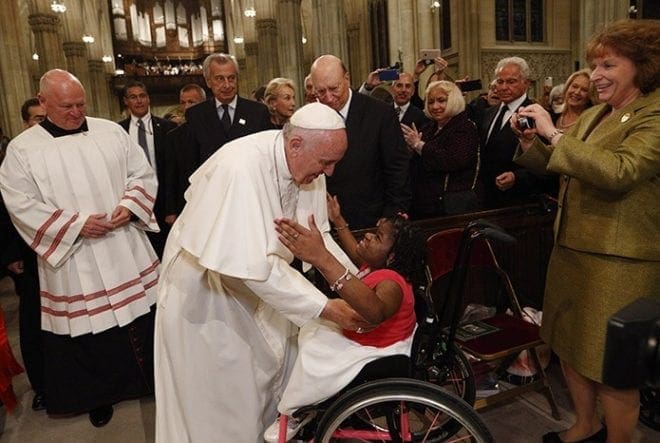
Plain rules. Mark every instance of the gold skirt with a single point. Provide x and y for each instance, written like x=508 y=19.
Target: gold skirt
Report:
x=582 y=292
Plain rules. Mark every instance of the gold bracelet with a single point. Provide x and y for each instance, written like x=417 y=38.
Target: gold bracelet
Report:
x=555 y=134
x=339 y=228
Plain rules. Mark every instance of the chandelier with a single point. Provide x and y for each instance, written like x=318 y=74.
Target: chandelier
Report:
x=58 y=6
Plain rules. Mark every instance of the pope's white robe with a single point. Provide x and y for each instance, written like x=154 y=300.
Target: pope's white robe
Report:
x=51 y=185
x=228 y=301
x=327 y=362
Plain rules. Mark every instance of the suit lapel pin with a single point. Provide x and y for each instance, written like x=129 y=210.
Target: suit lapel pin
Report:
x=625 y=117
x=241 y=121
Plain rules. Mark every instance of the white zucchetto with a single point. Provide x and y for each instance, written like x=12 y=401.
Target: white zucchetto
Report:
x=317 y=116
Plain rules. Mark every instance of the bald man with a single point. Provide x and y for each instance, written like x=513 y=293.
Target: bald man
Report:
x=371 y=181
x=80 y=192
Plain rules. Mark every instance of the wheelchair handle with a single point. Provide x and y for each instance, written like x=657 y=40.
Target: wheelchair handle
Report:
x=481 y=223
x=496 y=234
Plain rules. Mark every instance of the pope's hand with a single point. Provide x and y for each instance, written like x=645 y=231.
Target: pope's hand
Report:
x=340 y=312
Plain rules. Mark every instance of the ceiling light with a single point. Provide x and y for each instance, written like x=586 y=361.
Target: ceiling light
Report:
x=35 y=56
x=88 y=38
x=58 y=6
x=304 y=40
x=250 y=12
x=106 y=58
x=238 y=40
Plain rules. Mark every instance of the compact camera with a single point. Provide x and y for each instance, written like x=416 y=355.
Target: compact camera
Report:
x=526 y=123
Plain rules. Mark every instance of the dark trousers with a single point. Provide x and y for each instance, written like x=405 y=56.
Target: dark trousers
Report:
x=29 y=320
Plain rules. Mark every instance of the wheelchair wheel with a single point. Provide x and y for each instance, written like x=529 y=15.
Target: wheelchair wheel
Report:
x=402 y=410
x=445 y=365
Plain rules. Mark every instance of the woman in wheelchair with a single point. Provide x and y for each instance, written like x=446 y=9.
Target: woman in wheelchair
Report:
x=391 y=263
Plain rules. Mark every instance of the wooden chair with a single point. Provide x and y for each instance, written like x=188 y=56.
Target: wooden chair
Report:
x=455 y=255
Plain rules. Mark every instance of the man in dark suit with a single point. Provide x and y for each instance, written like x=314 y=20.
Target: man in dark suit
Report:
x=226 y=116
x=505 y=182
x=189 y=95
x=371 y=180
x=150 y=132
x=402 y=91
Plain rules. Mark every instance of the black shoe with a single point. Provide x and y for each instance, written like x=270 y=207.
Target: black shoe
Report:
x=598 y=437
x=38 y=402
x=101 y=416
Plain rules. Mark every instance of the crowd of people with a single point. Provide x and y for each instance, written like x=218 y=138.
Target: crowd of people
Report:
x=188 y=228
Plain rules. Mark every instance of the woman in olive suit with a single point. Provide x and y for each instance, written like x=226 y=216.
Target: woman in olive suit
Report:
x=606 y=252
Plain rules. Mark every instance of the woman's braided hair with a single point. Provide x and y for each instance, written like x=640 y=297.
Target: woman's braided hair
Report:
x=408 y=251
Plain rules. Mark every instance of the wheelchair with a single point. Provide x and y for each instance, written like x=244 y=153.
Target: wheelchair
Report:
x=426 y=397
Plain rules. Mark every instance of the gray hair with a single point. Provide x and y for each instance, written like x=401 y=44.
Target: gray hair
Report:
x=518 y=61
x=194 y=87
x=220 y=58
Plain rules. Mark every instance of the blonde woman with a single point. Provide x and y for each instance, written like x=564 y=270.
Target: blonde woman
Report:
x=280 y=97
x=577 y=97
x=445 y=153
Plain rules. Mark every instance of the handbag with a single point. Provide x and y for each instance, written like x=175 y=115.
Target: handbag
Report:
x=459 y=202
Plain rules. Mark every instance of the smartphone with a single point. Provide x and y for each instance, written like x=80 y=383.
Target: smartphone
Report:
x=547 y=82
x=470 y=85
x=428 y=55
x=388 y=75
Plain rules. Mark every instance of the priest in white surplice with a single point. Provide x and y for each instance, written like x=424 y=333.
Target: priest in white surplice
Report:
x=228 y=302
x=80 y=193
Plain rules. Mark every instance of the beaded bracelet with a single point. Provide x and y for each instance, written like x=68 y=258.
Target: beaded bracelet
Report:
x=337 y=285
x=339 y=228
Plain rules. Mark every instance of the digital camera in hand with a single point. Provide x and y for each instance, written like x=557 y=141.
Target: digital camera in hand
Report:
x=526 y=123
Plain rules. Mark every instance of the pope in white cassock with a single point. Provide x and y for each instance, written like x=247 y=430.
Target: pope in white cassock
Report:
x=229 y=304
x=81 y=193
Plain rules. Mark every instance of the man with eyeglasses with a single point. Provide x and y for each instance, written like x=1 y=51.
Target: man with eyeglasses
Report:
x=371 y=181
x=505 y=182
x=150 y=132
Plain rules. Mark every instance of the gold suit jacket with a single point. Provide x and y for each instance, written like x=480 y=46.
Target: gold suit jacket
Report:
x=609 y=197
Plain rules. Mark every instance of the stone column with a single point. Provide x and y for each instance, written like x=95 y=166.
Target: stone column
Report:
x=46 y=28
x=15 y=81
x=469 y=60
x=329 y=25
x=594 y=14
x=267 y=55
x=248 y=75
x=99 y=90
x=425 y=23
x=401 y=24
x=290 y=44
x=76 y=63
x=358 y=62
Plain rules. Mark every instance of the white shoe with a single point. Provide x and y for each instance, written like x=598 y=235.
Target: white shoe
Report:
x=293 y=425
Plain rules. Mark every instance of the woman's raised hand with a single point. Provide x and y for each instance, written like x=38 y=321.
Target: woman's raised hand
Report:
x=334 y=209
x=306 y=244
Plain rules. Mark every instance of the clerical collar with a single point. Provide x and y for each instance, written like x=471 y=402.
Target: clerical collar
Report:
x=56 y=131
